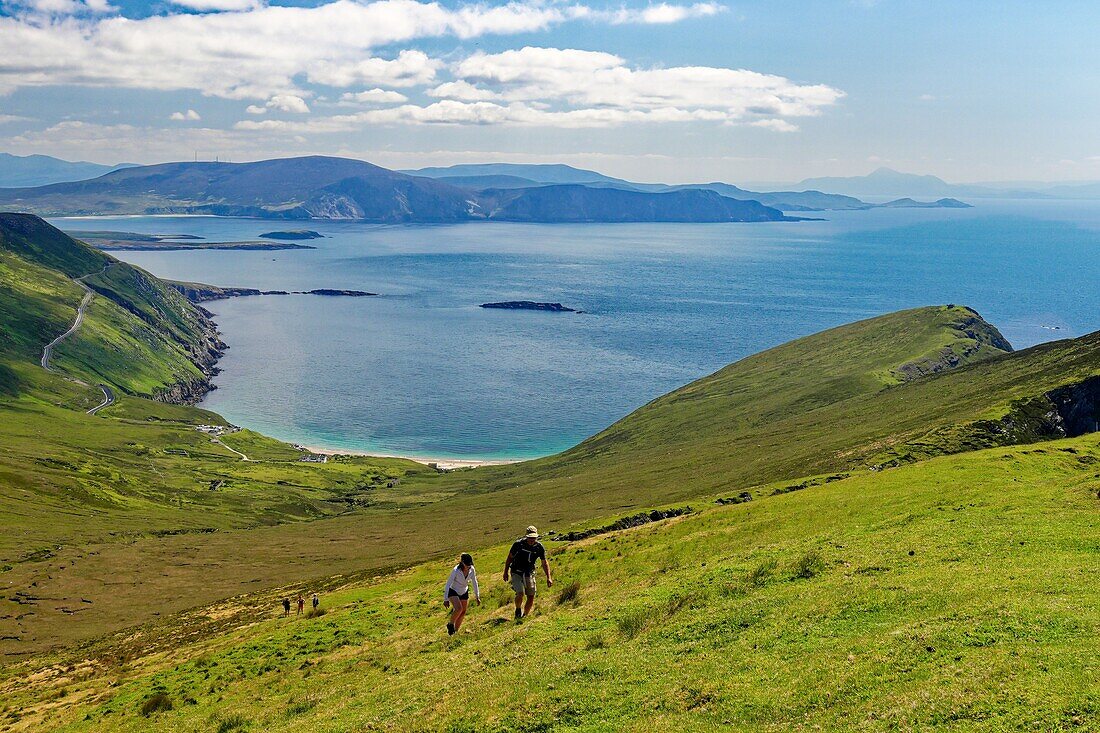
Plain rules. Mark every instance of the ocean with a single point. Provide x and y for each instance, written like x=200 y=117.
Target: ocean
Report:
x=423 y=371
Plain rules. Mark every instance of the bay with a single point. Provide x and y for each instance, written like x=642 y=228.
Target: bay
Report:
x=423 y=371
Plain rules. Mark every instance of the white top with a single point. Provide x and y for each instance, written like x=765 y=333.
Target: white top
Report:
x=460 y=583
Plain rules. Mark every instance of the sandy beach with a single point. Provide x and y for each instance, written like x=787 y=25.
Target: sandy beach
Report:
x=444 y=463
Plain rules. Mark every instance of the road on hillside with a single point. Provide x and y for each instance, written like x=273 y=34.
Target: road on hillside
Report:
x=108 y=399
x=88 y=295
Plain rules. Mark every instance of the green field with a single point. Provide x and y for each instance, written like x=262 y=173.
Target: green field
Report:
x=915 y=553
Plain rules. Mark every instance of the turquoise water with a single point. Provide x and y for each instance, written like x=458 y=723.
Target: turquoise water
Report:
x=423 y=371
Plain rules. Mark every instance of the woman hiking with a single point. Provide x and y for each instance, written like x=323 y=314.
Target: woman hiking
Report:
x=456 y=593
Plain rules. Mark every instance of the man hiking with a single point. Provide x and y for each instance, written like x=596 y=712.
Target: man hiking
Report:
x=521 y=565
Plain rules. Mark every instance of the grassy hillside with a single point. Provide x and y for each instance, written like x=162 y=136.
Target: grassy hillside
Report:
x=954 y=593
x=845 y=399
x=807 y=606
x=70 y=481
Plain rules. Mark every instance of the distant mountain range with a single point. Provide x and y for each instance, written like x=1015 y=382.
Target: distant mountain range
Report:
x=886 y=182
x=340 y=188
x=41 y=170
x=481 y=176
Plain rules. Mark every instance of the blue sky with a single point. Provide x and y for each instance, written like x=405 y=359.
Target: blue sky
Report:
x=673 y=91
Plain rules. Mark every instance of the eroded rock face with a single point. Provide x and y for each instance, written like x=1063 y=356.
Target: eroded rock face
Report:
x=1077 y=407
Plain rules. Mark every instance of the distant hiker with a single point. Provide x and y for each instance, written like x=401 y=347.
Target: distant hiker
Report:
x=286 y=607
x=316 y=601
x=521 y=565
x=301 y=604
x=456 y=593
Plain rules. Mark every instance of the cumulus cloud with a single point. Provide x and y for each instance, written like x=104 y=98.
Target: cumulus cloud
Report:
x=776 y=125
x=603 y=80
x=463 y=91
x=288 y=103
x=252 y=54
x=664 y=13
x=256 y=50
x=374 y=96
x=189 y=115
x=409 y=68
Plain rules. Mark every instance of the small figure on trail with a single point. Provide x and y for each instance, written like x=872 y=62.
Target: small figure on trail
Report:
x=301 y=605
x=286 y=607
x=316 y=601
x=521 y=565
x=456 y=593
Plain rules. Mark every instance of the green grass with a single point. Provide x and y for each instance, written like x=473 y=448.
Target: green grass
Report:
x=954 y=593
x=874 y=581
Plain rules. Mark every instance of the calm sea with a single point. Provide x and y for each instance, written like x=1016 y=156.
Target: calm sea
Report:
x=423 y=371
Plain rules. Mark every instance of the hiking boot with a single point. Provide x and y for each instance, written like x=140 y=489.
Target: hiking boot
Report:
x=450 y=629
x=519 y=614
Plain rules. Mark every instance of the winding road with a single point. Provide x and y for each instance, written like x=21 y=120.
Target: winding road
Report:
x=47 y=352
x=108 y=399
x=88 y=295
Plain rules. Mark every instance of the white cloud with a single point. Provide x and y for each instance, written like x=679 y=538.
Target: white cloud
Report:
x=596 y=79
x=218 y=5
x=255 y=109
x=257 y=50
x=288 y=103
x=463 y=91
x=776 y=125
x=4 y=119
x=374 y=96
x=189 y=115
x=569 y=88
x=663 y=13
x=410 y=68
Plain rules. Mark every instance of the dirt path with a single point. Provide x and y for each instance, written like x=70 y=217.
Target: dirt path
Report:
x=223 y=445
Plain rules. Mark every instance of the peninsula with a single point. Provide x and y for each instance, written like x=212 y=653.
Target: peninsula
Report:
x=202 y=293
x=135 y=242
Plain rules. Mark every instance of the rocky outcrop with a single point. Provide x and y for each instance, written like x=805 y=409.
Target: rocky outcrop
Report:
x=635 y=520
x=975 y=335
x=529 y=305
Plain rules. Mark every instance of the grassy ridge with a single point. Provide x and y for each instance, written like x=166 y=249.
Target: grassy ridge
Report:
x=952 y=593
x=831 y=402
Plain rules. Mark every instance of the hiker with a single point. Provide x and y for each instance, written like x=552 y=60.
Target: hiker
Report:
x=301 y=605
x=456 y=593
x=286 y=607
x=521 y=565
x=316 y=601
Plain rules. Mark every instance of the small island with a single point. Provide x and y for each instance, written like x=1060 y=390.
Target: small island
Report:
x=530 y=305
x=294 y=234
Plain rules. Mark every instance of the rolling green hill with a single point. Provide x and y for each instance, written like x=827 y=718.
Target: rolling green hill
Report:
x=913 y=555
x=955 y=593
